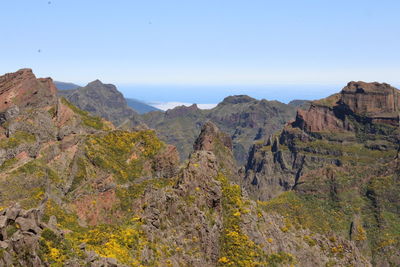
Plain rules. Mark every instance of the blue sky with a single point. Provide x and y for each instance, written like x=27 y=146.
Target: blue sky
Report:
x=209 y=43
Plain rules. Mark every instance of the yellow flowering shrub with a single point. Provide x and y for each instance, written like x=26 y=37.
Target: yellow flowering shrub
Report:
x=123 y=153
x=123 y=243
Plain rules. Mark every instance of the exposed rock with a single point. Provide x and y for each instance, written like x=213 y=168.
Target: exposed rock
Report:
x=372 y=99
x=210 y=137
x=218 y=142
x=339 y=154
x=377 y=102
x=103 y=100
x=243 y=118
x=166 y=163
x=318 y=119
x=24 y=90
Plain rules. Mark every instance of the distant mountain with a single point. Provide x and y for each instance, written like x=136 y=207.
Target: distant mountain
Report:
x=139 y=106
x=103 y=100
x=244 y=118
x=302 y=104
x=66 y=86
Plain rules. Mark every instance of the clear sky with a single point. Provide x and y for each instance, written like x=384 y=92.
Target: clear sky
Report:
x=207 y=42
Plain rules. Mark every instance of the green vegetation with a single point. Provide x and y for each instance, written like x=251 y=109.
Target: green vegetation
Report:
x=351 y=152
x=124 y=242
x=128 y=194
x=237 y=249
x=329 y=101
x=7 y=164
x=123 y=153
x=308 y=212
x=54 y=249
x=90 y=121
x=16 y=139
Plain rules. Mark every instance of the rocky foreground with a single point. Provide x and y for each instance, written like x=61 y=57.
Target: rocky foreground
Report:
x=75 y=191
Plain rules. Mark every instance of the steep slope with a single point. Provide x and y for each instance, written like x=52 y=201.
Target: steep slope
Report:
x=179 y=126
x=103 y=100
x=244 y=118
x=74 y=167
x=140 y=107
x=338 y=167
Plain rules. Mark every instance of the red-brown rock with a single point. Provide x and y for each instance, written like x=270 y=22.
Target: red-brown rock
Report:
x=22 y=89
x=379 y=102
x=371 y=98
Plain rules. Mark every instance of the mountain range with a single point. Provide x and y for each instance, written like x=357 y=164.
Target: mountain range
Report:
x=85 y=181
x=244 y=118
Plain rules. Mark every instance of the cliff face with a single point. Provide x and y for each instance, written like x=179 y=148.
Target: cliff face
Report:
x=378 y=103
x=24 y=90
x=337 y=160
x=374 y=99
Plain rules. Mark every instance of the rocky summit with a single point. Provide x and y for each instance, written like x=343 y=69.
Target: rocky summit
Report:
x=103 y=100
x=77 y=191
x=336 y=168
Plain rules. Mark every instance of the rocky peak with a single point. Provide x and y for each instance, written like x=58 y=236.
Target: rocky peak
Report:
x=371 y=98
x=210 y=137
x=213 y=140
x=378 y=102
x=182 y=111
x=23 y=89
x=103 y=100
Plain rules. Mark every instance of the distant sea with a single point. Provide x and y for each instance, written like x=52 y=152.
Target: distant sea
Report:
x=214 y=94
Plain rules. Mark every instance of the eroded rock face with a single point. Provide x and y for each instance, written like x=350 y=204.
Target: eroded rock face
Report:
x=213 y=140
x=340 y=155
x=210 y=137
x=22 y=89
x=371 y=98
x=377 y=102
x=318 y=119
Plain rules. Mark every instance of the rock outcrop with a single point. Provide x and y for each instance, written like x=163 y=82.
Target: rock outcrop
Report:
x=22 y=89
x=338 y=154
x=376 y=102
x=371 y=99
x=211 y=137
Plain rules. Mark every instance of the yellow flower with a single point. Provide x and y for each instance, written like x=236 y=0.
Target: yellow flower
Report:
x=223 y=260
x=237 y=214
